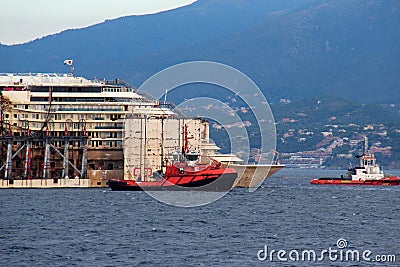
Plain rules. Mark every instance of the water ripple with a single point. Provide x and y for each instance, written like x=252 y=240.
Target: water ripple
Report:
x=101 y=228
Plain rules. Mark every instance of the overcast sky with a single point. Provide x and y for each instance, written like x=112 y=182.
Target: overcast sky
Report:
x=25 y=20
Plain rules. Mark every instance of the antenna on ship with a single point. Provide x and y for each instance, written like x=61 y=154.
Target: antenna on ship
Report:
x=70 y=62
x=165 y=96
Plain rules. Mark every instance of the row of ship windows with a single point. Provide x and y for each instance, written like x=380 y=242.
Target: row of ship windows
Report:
x=117 y=90
x=72 y=107
x=74 y=126
x=80 y=99
x=72 y=89
x=36 y=116
x=116 y=135
x=78 y=143
x=117 y=144
x=107 y=144
x=63 y=89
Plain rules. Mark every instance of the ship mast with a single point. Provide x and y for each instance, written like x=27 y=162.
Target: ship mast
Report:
x=185 y=147
x=365 y=145
x=162 y=143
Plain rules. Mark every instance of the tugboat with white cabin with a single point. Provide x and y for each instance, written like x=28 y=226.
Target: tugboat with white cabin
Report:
x=367 y=173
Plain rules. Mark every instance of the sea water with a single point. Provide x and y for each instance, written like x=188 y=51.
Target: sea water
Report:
x=98 y=227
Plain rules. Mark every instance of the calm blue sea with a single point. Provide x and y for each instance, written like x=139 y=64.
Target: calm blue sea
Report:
x=98 y=227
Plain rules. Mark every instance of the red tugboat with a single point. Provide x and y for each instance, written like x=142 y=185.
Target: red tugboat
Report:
x=368 y=173
x=188 y=172
x=192 y=173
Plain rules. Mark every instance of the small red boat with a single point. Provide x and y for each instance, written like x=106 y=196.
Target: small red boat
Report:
x=185 y=175
x=368 y=173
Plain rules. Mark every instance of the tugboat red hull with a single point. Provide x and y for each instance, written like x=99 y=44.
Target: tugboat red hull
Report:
x=387 y=181
x=212 y=180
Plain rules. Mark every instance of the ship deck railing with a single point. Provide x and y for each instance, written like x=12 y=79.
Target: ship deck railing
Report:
x=40 y=79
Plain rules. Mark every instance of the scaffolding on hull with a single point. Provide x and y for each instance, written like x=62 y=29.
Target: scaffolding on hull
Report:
x=41 y=155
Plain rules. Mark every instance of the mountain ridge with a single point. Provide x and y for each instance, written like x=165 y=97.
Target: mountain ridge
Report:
x=291 y=49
